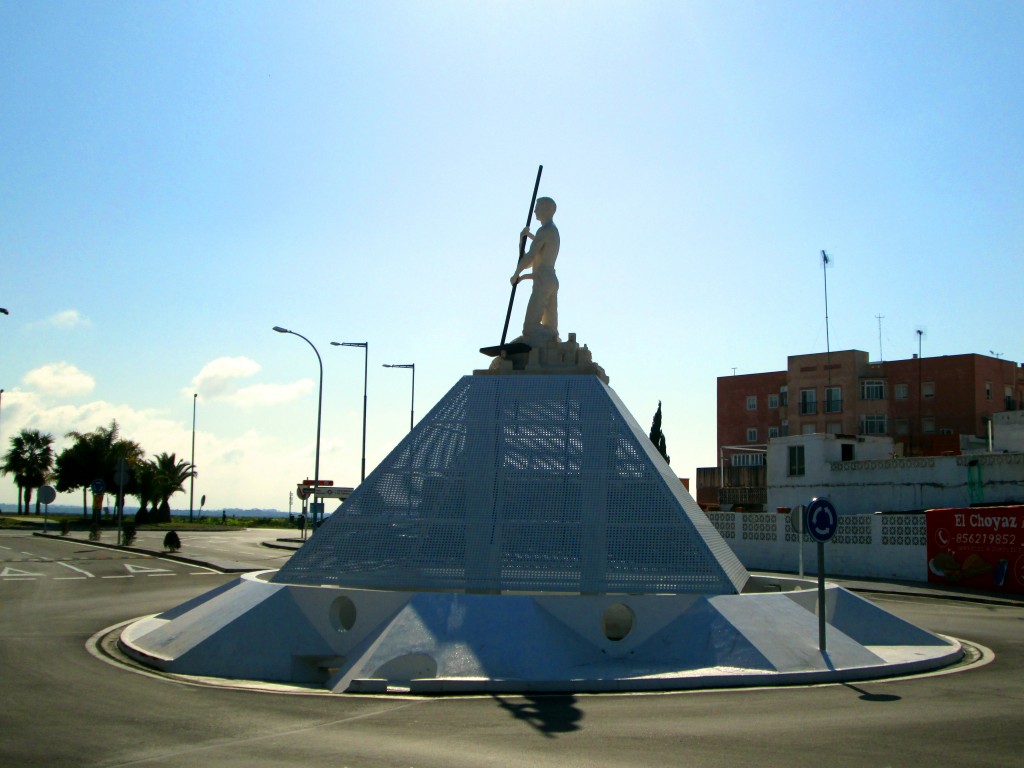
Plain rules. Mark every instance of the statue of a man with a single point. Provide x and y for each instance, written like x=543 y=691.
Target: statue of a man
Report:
x=541 y=323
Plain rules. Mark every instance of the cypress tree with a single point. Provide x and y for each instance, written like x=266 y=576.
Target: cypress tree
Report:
x=657 y=436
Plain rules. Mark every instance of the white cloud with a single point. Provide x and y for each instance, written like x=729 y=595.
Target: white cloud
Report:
x=61 y=379
x=217 y=378
x=68 y=318
x=271 y=394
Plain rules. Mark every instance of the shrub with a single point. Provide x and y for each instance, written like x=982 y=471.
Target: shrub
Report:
x=94 y=532
x=171 y=542
x=65 y=527
x=128 y=534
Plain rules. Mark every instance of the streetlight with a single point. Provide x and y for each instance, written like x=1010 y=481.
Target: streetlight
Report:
x=192 y=478
x=319 y=410
x=412 y=367
x=366 y=362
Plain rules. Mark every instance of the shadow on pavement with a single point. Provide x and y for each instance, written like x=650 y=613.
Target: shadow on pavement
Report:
x=551 y=715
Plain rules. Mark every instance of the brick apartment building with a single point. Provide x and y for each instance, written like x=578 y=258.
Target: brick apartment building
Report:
x=928 y=405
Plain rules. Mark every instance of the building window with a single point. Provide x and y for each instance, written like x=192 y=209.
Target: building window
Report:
x=847 y=451
x=928 y=389
x=988 y=390
x=1008 y=397
x=796 y=460
x=872 y=389
x=784 y=429
x=928 y=426
x=747 y=460
x=873 y=424
x=834 y=427
x=902 y=427
x=751 y=434
x=751 y=402
x=901 y=391
x=807 y=429
x=773 y=432
x=773 y=401
x=833 y=399
x=784 y=396
x=808 y=402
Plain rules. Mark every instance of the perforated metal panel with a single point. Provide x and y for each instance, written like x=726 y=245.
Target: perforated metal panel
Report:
x=512 y=483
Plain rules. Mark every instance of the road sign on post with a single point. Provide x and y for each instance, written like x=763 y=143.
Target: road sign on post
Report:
x=821 y=521
x=47 y=495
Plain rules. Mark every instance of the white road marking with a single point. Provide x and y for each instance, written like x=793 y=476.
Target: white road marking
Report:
x=9 y=572
x=75 y=568
x=134 y=569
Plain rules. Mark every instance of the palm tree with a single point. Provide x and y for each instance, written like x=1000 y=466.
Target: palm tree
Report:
x=171 y=475
x=94 y=456
x=30 y=460
x=145 y=489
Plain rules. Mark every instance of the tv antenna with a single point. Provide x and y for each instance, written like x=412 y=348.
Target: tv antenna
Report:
x=826 y=262
x=879 y=318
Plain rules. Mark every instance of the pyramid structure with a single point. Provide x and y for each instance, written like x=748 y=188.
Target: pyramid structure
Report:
x=526 y=536
x=522 y=483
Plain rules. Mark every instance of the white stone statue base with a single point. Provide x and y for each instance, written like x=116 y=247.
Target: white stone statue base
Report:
x=554 y=357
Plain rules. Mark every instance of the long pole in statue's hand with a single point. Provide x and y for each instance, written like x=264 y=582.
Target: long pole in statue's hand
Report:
x=522 y=252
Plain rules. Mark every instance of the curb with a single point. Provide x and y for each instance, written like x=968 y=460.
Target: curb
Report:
x=149 y=552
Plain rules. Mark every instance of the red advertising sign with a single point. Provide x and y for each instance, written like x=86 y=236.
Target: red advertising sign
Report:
x=978 y=547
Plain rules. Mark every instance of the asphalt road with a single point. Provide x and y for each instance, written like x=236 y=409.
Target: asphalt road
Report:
x=59 y=705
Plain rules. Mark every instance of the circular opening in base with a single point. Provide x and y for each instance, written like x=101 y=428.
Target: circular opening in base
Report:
x=343 y=614
x=617 y=621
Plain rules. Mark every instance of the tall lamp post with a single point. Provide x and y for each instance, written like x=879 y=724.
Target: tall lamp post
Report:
x=366 y=362
x=319 y=410
x=412 y=367
x=192 y=478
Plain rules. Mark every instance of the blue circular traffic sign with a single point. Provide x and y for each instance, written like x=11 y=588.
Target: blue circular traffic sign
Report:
x=98 y=486
x=821 y=520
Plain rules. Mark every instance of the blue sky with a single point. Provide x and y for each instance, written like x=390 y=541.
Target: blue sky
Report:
x=177 y=178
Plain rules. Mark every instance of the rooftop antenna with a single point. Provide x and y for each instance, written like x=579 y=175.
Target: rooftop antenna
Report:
x=995 y=354
x=825 y=264
x=921 y=331
x=879 y=319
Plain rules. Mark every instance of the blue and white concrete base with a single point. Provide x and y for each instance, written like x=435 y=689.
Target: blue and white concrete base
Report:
x=361 y=640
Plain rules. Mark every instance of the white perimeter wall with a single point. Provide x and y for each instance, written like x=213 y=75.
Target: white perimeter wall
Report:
x=870 y=546
x=893 y=485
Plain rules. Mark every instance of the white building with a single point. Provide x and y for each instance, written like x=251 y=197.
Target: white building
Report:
x=862 y=475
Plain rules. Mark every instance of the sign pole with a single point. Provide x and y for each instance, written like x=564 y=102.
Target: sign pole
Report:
x=821 y=521
x=821 y=596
